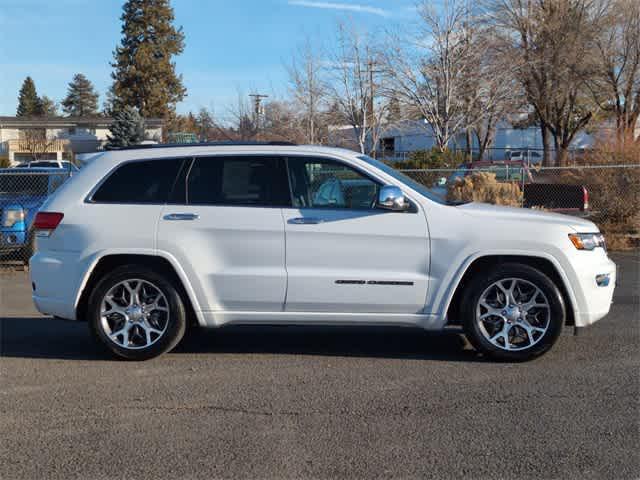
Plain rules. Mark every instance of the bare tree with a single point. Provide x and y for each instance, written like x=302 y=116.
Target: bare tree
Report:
x=242 y=120
x=352 y=89
x=37 y=142
x=308 y=88
x=550 y=43
x=493 y=90
x=616 y=87
x=430 y=71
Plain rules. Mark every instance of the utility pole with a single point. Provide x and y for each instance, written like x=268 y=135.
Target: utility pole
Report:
x=257 y=109
x=371 y=123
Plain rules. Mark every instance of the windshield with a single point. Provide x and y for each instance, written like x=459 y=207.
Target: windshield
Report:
x=437 y=194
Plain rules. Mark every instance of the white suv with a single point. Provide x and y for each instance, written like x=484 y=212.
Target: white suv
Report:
x=144 y=241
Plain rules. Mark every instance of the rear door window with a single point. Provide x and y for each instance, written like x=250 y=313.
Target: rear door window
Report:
x=147 y=182
x=259 y=181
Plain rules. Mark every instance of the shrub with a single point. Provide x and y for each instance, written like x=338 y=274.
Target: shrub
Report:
x=614 y=193
x=428 y=160
x=4 y=162
x=434 y=158
x=483 y=187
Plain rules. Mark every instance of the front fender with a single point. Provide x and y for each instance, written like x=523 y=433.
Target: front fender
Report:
x=442 y=297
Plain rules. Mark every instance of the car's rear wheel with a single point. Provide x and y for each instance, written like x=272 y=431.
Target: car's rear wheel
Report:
x=515 y=312
x=136 y=313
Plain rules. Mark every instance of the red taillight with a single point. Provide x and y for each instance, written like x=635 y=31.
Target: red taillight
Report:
x=47 y=220
x=585 y=198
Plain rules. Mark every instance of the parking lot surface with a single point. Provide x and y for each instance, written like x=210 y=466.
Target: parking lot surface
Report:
x=318 y=402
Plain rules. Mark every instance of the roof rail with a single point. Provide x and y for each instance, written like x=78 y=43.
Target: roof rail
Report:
x=206 y=144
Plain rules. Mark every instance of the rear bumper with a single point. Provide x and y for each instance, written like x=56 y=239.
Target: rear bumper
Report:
x=56 y=278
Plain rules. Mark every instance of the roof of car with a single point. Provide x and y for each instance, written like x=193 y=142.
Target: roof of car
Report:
x=196 y=149
x=26 y=171
x=205 y=144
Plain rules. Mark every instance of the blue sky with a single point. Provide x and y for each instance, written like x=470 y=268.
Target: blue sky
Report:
x=231 y=45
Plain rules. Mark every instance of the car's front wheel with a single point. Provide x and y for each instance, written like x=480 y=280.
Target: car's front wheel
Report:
x=136 y=313
x=513 y=312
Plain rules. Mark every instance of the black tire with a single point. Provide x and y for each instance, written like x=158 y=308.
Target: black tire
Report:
x=175 y=324
x=481 y=282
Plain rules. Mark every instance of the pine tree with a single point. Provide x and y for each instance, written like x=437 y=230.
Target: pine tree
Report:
x=81 y=99
x=29 y=104
x=127 y=129
x=144 y=75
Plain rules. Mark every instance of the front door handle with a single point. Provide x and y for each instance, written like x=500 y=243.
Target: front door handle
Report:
x=181 y=216
x=306 y=221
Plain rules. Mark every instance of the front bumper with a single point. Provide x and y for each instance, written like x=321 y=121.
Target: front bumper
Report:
x=596 y=277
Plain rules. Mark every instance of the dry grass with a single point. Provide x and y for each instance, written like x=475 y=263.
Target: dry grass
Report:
x=483 y=187
x=614 y=193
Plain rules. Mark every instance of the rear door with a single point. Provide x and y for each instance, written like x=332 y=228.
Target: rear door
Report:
x=344 y=255
x=224 y=226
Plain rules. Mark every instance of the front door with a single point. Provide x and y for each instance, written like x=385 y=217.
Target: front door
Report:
x=344 y=255
x=225 y=229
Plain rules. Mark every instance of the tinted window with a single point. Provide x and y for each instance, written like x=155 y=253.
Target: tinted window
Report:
x=319 y=183
x=250 y=181
x=139 y=182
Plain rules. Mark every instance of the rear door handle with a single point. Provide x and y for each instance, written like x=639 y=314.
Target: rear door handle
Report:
x=181 y=216
x=306 y=221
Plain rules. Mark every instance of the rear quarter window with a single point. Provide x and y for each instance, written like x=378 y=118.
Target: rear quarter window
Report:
x=147 y=181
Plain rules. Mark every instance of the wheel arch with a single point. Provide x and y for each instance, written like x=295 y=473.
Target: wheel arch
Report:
x=157 y=263
x=548 y=266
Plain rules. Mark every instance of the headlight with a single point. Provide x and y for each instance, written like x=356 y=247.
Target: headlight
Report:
x=11 y=216
x=587 y=241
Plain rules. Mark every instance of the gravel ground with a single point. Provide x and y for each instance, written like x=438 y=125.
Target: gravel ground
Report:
x=318 y=402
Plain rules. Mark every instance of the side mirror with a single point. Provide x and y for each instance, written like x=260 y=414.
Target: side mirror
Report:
x=391 y=197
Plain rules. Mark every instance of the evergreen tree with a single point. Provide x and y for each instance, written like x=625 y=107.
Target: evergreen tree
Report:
x=49 y=106
x=81 y=99
x=144 y=75
x=127 y=129
x=29 y=104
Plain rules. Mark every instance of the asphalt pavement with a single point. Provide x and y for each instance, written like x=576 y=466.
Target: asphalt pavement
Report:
x=294 y=402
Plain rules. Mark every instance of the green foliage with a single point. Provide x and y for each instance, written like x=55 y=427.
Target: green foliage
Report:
x=29 y=104
x=81 y=99
x=4 y=162
x=127 y=129
x=428 y=159
x=144 y=75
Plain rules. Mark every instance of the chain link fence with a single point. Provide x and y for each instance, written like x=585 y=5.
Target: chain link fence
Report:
x=608 y=195
x=22 y=193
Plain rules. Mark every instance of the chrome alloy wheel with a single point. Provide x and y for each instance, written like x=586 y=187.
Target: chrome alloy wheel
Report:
x=513 y=314
x=134 y=314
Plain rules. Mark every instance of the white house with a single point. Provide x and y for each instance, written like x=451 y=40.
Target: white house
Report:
x=398 y=140
x=55 y=137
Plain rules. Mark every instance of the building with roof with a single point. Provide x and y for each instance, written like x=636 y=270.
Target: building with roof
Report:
x=25 y=139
